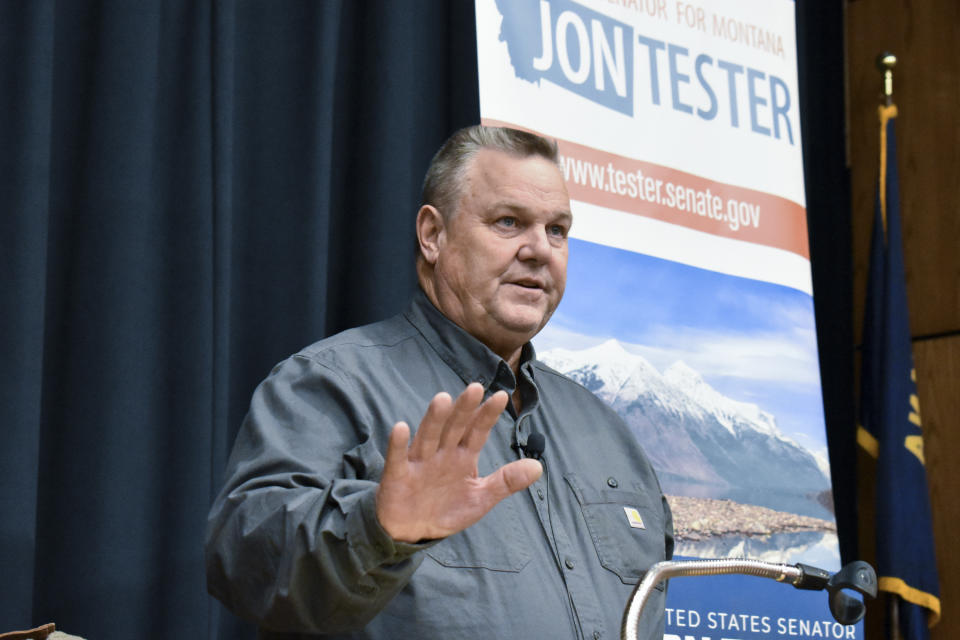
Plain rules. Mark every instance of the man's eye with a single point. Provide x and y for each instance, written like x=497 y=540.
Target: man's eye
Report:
x=557 y=230
x=507 y=222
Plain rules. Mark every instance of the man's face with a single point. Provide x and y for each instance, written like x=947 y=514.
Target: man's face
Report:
x=501 y=261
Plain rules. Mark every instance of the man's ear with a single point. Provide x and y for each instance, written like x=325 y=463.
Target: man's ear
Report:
x=430 y=232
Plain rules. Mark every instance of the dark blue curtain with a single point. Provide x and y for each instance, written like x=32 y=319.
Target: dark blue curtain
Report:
x=820 y=56
x=190 y=191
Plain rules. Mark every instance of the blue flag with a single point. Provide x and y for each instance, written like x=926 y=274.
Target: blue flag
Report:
x=890 y=425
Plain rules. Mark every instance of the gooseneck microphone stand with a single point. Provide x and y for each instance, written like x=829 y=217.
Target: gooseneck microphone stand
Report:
x=857 y=576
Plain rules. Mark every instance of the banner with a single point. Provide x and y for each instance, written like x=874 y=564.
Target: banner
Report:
x=689 y=302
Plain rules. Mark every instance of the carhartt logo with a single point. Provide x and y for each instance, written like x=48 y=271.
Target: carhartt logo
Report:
x=633 y=517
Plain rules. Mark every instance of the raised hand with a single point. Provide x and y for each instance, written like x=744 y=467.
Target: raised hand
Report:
x=432 y=489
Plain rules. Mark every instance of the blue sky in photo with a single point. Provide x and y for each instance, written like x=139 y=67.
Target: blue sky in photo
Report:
x=752 y=341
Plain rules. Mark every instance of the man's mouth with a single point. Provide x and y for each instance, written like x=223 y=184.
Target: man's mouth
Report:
x=529 y=283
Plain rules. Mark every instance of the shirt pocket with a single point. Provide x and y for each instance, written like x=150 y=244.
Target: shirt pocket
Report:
x=622 y=544
x=495 y=542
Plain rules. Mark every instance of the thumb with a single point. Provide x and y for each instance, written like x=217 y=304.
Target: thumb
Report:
x=513 y=477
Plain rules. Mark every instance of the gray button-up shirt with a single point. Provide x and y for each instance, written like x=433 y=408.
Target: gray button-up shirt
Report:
x=294 y=544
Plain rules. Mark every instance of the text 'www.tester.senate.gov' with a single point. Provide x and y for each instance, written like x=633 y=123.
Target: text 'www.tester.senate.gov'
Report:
x=736 y=214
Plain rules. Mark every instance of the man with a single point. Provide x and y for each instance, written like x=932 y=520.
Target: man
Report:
x=333 y=521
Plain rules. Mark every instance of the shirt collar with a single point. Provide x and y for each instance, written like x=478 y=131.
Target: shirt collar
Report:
x=472 y=360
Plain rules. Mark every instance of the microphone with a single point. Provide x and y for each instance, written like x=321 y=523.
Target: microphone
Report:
x=536 y=443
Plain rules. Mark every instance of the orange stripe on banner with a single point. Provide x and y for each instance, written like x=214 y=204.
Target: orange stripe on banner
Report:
x=661 y=193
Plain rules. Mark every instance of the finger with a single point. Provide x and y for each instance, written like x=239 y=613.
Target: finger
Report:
x=396 y=459
x=510 y=478
x=483 y=421
x=394 y=472
x=427 y=437
x=462 y=415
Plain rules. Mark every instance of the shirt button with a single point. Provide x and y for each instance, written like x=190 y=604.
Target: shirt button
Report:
x=596 y=635
x=540 y=493
x=613 y=482
x=569 y=563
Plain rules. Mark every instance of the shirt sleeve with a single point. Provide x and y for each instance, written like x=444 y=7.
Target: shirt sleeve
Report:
x=293 y=541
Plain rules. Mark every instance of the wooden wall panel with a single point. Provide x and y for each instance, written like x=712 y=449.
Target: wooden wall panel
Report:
x=938 y=382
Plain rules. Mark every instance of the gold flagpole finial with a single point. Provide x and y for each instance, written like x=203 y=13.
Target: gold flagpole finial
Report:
x=886 y=61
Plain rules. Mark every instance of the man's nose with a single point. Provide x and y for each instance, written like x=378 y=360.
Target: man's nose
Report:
x=536 y=246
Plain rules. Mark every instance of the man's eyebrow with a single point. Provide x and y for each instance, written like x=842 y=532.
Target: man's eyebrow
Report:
x=564 y=214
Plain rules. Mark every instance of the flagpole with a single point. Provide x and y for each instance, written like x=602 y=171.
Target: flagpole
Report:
x=906 y=555
x=886 y=61
x=893 y=602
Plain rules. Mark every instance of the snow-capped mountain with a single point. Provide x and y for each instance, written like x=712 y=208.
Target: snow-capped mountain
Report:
x=700 y=441
x=731 y=414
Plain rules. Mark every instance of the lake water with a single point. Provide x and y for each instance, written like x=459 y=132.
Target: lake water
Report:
x=820 y=549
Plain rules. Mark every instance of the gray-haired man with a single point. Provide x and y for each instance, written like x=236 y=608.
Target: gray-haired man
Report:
x=334 y=521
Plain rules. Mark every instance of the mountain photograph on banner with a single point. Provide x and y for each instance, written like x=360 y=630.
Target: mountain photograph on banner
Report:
x=717 y=377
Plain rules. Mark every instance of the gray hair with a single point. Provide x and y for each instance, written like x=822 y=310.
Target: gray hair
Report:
x=441 y=186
